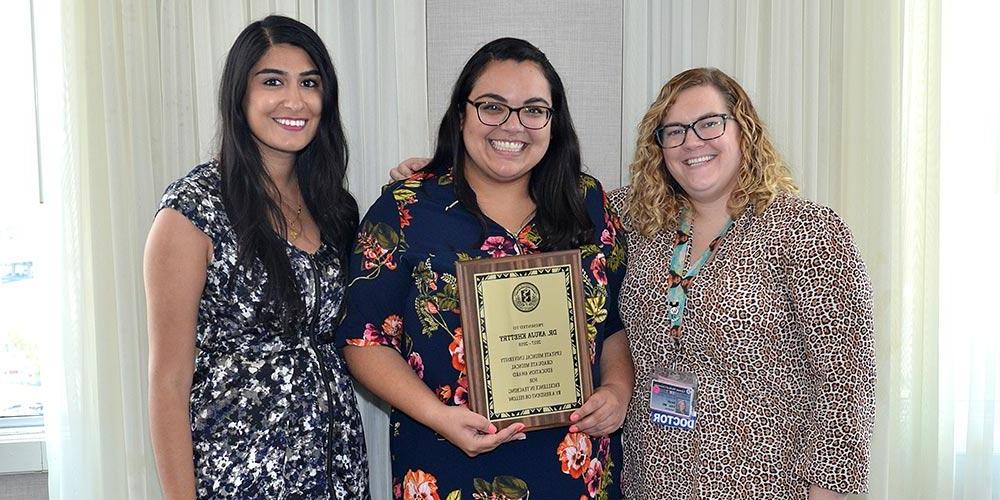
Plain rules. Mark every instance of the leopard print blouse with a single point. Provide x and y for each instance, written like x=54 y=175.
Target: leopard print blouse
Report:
x=779 y=330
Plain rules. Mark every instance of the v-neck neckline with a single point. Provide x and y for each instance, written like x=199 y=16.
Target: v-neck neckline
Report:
x=313 y=254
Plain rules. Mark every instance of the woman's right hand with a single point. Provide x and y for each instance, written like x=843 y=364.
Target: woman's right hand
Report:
x=383 y=371
x=473 y=433
x=408 y=167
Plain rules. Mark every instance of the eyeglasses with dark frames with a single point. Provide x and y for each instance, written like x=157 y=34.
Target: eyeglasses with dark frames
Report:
x=494 y=114
x=706 y=128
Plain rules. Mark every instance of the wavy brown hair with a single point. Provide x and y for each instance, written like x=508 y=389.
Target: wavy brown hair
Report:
x=655 y=198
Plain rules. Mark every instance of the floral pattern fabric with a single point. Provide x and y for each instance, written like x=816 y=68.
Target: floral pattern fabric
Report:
x=403 y=294
x=273 y=413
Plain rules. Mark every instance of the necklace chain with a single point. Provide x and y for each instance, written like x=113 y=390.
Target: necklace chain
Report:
x=294 y=225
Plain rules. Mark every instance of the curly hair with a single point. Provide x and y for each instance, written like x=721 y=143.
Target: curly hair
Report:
x=656 y=198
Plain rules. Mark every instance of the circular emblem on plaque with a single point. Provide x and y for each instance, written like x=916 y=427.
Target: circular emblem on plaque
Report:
x=525 y=297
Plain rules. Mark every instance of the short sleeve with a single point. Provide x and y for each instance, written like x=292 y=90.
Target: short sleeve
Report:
x=831 y=297
x=377 y=285
x=193 y=196
x=616 y=201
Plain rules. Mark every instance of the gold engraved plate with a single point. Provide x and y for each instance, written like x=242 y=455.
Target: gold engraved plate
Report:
x=525 y=338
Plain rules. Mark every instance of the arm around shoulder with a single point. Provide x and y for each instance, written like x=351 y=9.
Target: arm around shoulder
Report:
x=617 y=198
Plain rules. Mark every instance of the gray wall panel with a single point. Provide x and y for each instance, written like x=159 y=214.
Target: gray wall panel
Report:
x=582 y=38
x=32 y=486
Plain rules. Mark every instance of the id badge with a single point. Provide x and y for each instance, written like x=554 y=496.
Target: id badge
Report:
x=672 y=399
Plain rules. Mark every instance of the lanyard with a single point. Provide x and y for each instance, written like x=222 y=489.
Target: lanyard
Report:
x=678 y=280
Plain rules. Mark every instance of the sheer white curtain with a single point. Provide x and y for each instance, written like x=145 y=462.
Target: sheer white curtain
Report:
x=849 y=90
x=789 y=55
x=378 y=52
x=133 y=107
x=102 y=141
x=970 y=198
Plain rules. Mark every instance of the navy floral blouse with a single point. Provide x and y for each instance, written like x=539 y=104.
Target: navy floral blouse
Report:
x=273 y=413
x=402 y=293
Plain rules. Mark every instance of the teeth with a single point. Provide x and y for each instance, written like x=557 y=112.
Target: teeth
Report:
x=291 y=123
x=509 y=146
x=695 y=161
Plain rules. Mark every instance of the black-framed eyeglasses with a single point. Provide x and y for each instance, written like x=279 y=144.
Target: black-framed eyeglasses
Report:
x=495 y=114
x=707 y=128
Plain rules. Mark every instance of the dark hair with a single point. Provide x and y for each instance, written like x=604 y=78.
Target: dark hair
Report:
x=320 y=167
x=554 y=186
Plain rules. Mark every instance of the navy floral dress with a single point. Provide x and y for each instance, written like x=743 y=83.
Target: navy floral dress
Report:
x=402 y=293
x=273 y=414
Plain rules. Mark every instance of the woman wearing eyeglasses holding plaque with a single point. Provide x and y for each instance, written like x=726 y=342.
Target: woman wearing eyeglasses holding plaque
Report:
x=748 y=307
x=505 y=180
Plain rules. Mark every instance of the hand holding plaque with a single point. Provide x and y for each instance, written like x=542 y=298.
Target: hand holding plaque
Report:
x=525 y=340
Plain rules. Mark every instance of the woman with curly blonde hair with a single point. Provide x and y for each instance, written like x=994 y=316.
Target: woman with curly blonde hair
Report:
x=748 y=307
x=656 y=198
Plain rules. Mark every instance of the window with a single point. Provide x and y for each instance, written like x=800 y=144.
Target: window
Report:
x=24 y=235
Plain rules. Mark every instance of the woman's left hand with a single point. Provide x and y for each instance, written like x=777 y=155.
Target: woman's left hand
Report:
x=603 y=413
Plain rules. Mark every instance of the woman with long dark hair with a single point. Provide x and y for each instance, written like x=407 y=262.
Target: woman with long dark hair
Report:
x=505 y=179
x=243 y=267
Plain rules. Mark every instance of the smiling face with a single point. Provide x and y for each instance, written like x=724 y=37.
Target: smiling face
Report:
x=706 y=170
x=283 y=102
x=505 y=153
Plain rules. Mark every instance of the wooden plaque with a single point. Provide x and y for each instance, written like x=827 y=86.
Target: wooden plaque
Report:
x=525 y=338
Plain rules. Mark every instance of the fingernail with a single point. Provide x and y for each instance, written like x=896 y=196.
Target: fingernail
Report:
x=573 y=428
x=522 y=437
x=493 y=429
